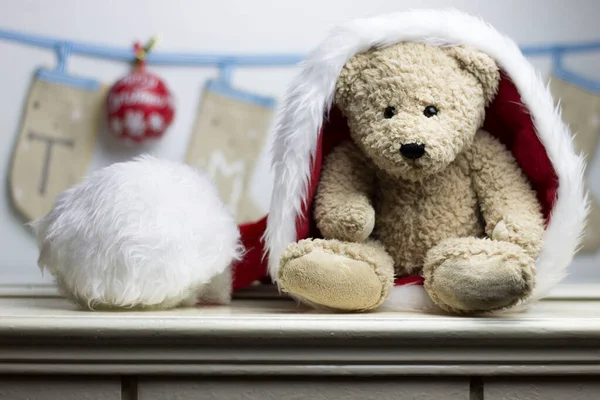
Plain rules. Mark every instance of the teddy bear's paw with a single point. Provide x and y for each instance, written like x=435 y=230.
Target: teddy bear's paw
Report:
x=527 y=232
x=468 y=275
x=337 y=275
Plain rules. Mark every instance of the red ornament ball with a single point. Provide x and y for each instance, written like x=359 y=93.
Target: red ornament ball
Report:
x=139 y=107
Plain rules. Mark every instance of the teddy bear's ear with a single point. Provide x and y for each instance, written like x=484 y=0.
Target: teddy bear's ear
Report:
x=347 y=78
x=481 y=65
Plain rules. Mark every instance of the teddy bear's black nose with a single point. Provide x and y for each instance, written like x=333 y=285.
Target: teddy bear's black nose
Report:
x=412 y=150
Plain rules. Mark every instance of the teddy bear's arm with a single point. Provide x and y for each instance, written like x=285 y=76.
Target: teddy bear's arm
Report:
x=509 y=205
x=343 y=207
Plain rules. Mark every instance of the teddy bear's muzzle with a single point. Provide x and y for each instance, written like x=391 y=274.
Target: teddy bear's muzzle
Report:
x=412 y=151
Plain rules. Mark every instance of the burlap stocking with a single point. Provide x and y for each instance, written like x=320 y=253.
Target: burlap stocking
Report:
x=229 y=134
x=60 y=122
x=581 y=111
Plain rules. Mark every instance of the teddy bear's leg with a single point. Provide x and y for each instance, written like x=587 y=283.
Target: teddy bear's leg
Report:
x=466 y=275
x=337 y=275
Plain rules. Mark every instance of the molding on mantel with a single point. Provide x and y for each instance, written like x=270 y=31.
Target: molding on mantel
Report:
x=270 y=338
x=544 y=368
x=570 y=291
x=306 y=345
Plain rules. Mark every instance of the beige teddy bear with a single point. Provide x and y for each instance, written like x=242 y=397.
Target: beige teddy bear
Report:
x=420 y=189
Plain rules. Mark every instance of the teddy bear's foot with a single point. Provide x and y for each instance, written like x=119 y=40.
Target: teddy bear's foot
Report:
x=468 y=275
x=337 y=275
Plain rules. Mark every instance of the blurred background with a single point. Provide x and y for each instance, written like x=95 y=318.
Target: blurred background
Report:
x=222 y=128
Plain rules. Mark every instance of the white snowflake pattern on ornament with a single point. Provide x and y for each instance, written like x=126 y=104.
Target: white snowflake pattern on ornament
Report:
x=135 y=124
x=156 y=122
x=116 y=125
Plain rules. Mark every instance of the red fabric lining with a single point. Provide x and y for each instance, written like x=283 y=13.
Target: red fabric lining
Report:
x=410 y=280
x=506 y=118
x=509 y=121
x=253 y=266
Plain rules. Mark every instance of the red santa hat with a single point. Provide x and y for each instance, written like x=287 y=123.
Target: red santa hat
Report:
x=523 y=116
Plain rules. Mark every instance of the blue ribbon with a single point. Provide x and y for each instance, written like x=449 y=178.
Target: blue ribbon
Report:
x=227 y=62
x=247 y=60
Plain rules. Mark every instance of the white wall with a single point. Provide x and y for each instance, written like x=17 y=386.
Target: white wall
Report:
x=248 y=26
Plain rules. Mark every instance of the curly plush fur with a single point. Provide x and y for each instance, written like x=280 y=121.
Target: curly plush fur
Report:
x=410 y=77
x=148 y=234
x=434 y=215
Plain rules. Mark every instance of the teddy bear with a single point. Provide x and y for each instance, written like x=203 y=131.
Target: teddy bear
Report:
x=419 y=189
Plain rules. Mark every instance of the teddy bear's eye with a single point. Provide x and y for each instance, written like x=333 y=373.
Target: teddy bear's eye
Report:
x=389 y=112
x=430 y=111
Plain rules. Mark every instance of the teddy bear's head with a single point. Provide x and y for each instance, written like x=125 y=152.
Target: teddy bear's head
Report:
x=413 y=107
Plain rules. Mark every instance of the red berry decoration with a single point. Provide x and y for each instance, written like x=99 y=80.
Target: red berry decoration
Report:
x=139 y=106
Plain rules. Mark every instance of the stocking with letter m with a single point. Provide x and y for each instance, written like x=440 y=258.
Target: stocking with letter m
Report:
x=229 y=135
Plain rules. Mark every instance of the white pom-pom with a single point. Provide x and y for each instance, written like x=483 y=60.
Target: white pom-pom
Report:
x=147 y=233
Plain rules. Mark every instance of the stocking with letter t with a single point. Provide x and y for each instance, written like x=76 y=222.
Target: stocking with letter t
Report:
x=59 y=126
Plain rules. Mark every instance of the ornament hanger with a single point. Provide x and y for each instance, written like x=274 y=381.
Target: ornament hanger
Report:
x=141 y=53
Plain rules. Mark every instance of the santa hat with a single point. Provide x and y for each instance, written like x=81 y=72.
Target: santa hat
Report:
x=523 y=116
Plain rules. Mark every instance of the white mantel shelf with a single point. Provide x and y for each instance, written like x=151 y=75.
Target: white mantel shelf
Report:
x=278 y=337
